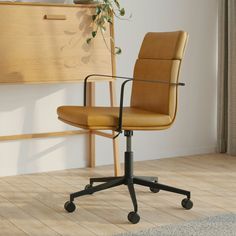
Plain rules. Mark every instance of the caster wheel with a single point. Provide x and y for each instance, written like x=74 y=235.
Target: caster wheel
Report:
x=187 y=203
x=88 y=186
x=133 y=217
x=154 y=190
x=69 y=206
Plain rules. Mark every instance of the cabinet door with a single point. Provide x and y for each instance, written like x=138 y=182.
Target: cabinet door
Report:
x=44 y=44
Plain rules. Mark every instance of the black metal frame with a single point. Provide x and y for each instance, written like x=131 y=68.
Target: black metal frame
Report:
x=129 y=178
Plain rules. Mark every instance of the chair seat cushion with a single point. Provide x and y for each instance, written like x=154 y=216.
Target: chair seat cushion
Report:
x=106 y=118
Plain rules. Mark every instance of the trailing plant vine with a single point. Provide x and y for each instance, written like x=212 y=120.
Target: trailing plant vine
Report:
x=104 y=14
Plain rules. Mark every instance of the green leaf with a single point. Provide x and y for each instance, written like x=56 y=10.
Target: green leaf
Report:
x=101 y=21
x=94 y=33
x=117 y=3
x=110 y=21
x=94 y=17
x=98 y=10
x=88 y=40
x=104 y=7
x=118 y=51
x=122 y=12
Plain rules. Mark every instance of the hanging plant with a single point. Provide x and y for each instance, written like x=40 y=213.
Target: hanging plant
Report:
x=104 y=14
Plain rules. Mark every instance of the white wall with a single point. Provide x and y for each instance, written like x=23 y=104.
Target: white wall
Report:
x=194 y=131
x=31 y=108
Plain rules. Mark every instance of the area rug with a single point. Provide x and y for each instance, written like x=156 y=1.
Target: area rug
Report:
x=220 y=225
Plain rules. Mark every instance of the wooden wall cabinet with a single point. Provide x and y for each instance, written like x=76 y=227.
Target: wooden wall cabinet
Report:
x=46 y=43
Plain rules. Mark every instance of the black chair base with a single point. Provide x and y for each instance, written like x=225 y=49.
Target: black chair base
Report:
x=128 y=179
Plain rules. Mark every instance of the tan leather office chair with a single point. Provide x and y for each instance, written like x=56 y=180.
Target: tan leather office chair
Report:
x=153 y=106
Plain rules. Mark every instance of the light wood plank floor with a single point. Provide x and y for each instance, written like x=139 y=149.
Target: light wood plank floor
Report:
x=33 y=204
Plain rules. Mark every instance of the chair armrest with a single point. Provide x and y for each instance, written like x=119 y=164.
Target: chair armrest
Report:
x=127 y=79
x=86 y=80
x=122 y=77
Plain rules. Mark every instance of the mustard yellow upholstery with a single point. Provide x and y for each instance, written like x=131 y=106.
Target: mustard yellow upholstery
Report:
x=155 y=97
x=153 y=105
x=103 y=118
x=163 y=46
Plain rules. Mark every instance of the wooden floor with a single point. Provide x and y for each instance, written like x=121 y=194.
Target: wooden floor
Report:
x=33 y=204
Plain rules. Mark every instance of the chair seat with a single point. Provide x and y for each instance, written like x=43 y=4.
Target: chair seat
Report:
x=106 y=118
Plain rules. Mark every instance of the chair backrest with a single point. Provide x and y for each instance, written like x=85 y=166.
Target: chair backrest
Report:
x=159 y=58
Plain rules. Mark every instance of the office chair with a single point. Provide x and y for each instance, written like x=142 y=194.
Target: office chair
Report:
x=153 y=106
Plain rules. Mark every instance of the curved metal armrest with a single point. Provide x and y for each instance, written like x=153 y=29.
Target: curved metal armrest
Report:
x=127 y=79
x=86 y=80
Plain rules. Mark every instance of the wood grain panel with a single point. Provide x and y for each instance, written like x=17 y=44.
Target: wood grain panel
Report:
x=35 y=49
x=42 y=135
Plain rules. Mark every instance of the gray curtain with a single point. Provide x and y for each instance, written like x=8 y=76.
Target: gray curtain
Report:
x=227 y=77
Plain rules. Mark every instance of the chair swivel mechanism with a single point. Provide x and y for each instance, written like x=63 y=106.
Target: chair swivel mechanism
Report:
x=153 y=106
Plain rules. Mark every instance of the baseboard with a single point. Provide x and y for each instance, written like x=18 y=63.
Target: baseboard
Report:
x=182 y=152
